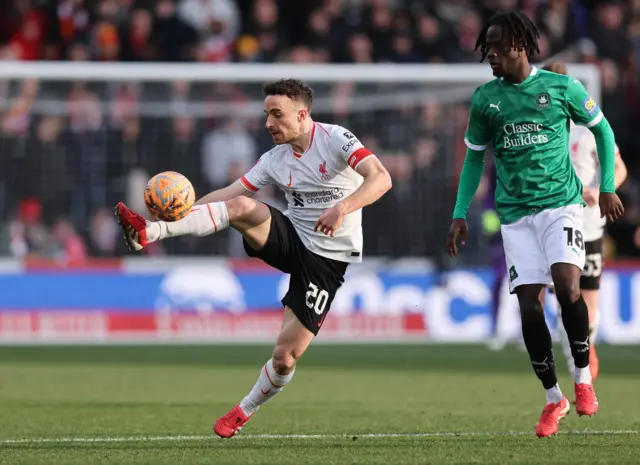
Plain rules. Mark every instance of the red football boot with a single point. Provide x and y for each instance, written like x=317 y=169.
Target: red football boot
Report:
x=586 y=400
x=133 y=225
x=551 y=416
x=231 y=424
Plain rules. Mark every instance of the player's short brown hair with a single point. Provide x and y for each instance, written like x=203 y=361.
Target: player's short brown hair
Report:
x=556 y=67
x=295 y=89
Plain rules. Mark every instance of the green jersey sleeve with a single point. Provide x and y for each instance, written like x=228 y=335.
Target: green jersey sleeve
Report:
x=583 y=110
x=477 y=136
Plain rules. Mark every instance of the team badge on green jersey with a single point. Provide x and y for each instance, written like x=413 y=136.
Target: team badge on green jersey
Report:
x=543 y=100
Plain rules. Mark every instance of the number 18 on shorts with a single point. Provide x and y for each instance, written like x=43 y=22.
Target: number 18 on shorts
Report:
x=535 y=242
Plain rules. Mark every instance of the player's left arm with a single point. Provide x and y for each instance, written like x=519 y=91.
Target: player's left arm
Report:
x=377 y=181
x=583 y=110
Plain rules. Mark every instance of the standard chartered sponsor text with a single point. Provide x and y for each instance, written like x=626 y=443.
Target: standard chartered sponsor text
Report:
x=324 y=196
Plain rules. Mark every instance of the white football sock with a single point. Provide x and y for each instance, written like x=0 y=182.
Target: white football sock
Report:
x=582 y=375
x=554 y=395
x=201 y=221
x=268 y=385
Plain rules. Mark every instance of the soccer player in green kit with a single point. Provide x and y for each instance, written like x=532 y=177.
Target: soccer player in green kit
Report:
x=525 y=114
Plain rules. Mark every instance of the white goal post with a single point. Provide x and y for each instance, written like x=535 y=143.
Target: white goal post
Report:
x=476 y=73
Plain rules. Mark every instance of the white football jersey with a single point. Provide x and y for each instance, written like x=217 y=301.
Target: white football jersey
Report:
x=315 y=181
x=584 y=157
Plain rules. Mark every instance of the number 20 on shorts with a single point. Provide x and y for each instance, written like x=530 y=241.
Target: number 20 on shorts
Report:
x=316 y=298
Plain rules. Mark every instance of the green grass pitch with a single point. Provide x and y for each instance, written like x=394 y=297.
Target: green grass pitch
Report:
x=346 y=405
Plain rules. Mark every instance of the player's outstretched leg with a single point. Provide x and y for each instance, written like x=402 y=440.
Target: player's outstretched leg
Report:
x=240 y=212
x=537 y=339
x=575 y=319
x=292 y=342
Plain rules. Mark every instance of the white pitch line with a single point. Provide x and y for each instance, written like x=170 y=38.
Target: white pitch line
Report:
x=121 y=439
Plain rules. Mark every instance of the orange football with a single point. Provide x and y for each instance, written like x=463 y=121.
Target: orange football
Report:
x=169 y=196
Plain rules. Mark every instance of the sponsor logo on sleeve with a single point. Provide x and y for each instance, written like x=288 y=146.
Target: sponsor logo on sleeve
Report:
x=590 y=106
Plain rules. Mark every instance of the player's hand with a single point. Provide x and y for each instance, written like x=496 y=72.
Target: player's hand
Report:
x=590 y=196
x=458 y=229
x=330 y=221
x=610 y=206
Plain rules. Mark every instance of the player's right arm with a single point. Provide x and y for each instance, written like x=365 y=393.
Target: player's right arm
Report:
x=247 y=185
x=476 y=139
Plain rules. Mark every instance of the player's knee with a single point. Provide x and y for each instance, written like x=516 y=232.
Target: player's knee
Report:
x=529 y=300
x=566 y=280
x=567 y=291
x=284 y=360
x=531 y=308
x=240 y=207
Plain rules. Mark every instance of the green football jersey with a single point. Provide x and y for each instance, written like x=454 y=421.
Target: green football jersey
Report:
x=528 y=126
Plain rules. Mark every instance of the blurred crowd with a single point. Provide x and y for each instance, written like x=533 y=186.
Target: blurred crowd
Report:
x=64 y=169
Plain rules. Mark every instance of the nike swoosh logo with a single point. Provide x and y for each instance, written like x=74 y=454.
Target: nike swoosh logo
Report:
x=290 y=180
x=265 y=393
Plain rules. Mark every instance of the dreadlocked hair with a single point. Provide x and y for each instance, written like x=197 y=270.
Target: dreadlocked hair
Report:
x=518 y=27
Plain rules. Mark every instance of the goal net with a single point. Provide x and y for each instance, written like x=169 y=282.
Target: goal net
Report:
x=78 y=137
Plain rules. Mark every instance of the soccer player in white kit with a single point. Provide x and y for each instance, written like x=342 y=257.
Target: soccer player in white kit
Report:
x=584 y=157
x=328 y=176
